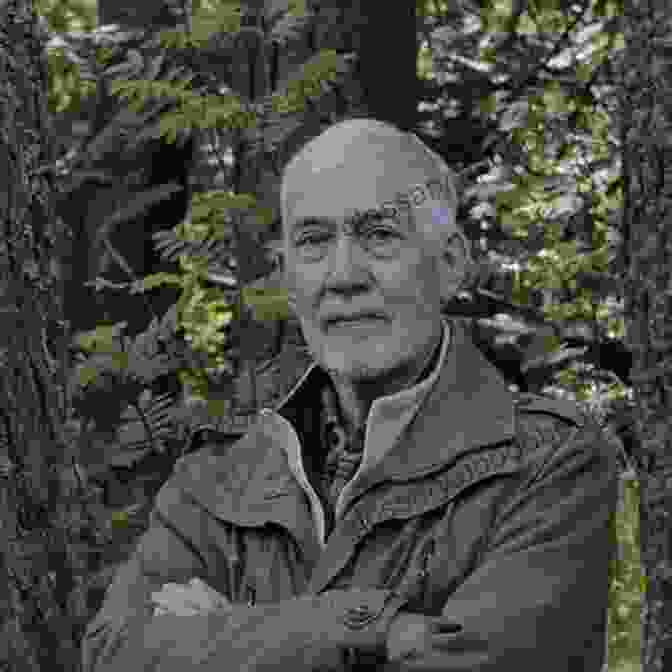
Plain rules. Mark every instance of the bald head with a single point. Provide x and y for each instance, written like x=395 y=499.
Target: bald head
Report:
x=369 y=229
x=367 y=163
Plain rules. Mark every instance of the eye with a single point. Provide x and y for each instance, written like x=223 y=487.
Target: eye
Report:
x=313 y=238
x=312 y=245
x=381 y=238
x=382 y=233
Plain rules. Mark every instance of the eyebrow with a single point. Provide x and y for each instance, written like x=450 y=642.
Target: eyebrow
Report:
x=306 y=222
x=359 y=217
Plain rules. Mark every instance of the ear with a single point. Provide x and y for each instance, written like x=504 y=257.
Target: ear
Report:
x=454 y=265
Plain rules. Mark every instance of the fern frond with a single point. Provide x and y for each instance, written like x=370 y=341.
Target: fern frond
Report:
x=145 y=425
x=171 y=247
x=310 y=81
x=206 y=23
x=155 y=352
x=283 y=112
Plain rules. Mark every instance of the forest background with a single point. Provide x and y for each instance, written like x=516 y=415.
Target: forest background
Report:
x=167 y=126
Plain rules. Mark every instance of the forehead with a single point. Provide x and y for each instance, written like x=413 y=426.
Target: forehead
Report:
x=338 y=192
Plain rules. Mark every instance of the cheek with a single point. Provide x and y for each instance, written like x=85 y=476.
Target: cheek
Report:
x=303 y=286
x=415 y=285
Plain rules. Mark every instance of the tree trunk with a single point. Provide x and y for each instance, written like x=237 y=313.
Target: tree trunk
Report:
x=647 y=114
x=38 y=570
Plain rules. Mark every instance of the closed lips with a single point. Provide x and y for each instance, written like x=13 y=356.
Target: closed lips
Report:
x=345 y=319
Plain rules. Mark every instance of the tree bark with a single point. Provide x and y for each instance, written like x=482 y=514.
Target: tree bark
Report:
x=647 y=172
x=38 y=570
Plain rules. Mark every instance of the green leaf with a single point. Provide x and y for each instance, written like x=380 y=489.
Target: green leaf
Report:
x=119 y=520
x=617 y=42
x=608 y=9
x=545 y=5
x=308 y=83
x=86 y=375
x=488 y=105
x=554 y=98
x=120 y=360
x=209 y=203
x=511 y=198
x=170 y=126
x=171 y=38
x=297 y=8
x=154 y=280
x=509 y=221
x=526 y=26
x=218 y=408
x=267 y=304
x=425 y=64
x=100 y=339
x=205 y=25
x=264 y=215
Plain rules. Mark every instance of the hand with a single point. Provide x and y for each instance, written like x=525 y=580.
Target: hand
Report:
x=195 y=597
x=408 y=636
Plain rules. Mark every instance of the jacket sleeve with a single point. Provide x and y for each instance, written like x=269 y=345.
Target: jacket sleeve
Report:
x=309 y=632
x=161 y=556
x=538 y=598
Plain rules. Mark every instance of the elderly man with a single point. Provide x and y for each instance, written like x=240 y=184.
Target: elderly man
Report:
x=401 y=508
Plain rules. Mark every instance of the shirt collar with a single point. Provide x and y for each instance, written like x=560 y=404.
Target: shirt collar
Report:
x=388 y=416
x=314 y=376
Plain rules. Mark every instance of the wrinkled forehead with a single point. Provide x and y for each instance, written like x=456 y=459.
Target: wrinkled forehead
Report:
x=339 y=194
x=334 y=179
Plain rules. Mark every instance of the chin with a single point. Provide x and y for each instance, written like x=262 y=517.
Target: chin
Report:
x=361 y=368
x=357 y=372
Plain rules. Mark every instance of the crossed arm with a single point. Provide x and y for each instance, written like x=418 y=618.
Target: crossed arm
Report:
x=408 y=633
x=537 y=599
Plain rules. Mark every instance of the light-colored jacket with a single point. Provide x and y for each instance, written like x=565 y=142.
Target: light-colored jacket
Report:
x=489 y=515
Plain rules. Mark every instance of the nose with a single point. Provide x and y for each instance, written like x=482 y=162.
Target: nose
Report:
x=348 y=270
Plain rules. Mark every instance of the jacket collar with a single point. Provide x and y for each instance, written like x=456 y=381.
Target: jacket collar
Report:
x=467 y=407
x=465 y=401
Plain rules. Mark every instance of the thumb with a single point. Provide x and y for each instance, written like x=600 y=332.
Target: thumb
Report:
x=209 y=593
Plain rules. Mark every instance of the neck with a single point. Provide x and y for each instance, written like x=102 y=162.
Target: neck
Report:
x=355 y=397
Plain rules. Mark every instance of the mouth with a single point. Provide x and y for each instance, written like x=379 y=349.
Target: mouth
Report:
x=358 y=320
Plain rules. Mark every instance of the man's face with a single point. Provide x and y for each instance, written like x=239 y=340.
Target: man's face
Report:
x=341 y=263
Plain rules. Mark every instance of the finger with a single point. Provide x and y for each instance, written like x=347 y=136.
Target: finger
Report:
x=201 y=588
x=177 y=591
x=196 y=595
x=169 y=591
x=175 y=606
x=179 y=599
x=176 y=611
x=185 y=611
x=209 y=592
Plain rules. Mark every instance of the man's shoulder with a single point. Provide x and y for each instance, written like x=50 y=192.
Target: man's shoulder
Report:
x=219 y=469
x=543 y=423
x=530 y=404
x=225 y=456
